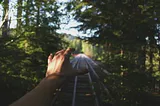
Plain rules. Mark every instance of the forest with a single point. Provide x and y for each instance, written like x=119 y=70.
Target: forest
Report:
x=124 y=35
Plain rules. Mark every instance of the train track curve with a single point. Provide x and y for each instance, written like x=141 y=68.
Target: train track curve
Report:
x=84 y=90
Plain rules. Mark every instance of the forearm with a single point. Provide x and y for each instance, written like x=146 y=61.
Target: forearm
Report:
x=42 y=95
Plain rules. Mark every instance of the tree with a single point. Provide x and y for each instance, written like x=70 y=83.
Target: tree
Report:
x=23 y=54
x=19 y=14
x=130 y=27
x=5 y=18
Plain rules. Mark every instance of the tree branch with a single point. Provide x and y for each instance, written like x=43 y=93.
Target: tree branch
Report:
x=6 y=15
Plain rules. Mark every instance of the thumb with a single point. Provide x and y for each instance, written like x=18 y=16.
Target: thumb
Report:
x=50 y=58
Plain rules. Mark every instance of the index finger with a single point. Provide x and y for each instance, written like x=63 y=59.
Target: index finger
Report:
x=69 y=51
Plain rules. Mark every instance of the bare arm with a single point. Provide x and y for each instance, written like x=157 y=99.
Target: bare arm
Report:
x=59 y=68
x=42 y=95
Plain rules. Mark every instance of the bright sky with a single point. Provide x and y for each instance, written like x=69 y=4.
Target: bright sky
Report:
x=65 y=28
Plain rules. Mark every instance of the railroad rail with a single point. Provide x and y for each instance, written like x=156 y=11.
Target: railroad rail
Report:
x=84 y=90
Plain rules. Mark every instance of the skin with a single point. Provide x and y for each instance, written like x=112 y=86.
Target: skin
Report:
x=58 y=71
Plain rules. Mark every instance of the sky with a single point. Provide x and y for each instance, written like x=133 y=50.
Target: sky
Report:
x=65 y=28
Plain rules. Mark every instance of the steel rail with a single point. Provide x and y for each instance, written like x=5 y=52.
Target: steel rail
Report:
x=75 y=83
x=81 y=58
x=74 y=91
x=93 y=89
x=76 y=62
x=58 y=90
x=105 y=88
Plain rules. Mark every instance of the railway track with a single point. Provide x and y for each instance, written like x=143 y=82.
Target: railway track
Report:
x=84 y=90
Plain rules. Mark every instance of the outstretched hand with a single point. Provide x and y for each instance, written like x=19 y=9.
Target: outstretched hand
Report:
x=42 y=95
x=60 y=64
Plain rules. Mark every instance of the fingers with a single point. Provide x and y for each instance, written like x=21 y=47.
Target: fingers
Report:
x=60 y=52
x=65 y=52
x=68 y=52
x=50 y=58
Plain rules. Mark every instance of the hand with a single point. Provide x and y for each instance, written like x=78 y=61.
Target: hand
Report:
x=60 y=64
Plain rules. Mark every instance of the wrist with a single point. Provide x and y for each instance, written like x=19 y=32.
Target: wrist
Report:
x=53 y=80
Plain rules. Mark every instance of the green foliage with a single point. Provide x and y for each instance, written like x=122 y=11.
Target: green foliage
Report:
x=24 y=53
x=81 y=46
x=129 y=89
x=126 y=35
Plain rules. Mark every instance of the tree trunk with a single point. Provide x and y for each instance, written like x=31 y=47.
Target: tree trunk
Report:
x=5 y=18
x=27 y=13
x=38 y=21
x=19 y=15
x=143 y=65
x=159 y=70
x=141 y=59
x=159 y=61
x=151 y=59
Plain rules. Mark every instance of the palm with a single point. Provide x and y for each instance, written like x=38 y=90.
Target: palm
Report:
x=60 y=64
